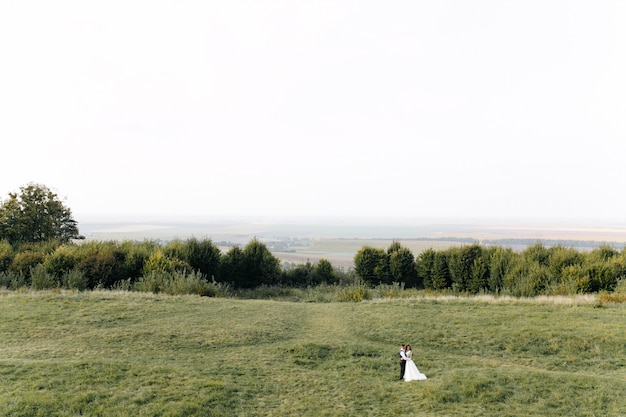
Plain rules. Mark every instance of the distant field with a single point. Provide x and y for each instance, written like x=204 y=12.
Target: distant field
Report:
x=119 y=354
x=242 y=230
x=340 y=252
x=339 y=241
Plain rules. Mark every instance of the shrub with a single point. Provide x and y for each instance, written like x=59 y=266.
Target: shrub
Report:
x=179 y=283
x=354 y=293
x=6 y=254
x=60 y=262
x=617 y=296
x=153 y=281
x=103 y=263
x=272 y=292
x=136 y=255
x=40 y=279
x=189 y=283
x=575 y=276
x=24 y=261
x=535 y=282
x=602 y=276
x=159 y=262
x=75 y=280
x=12 y=280
x=393 y=290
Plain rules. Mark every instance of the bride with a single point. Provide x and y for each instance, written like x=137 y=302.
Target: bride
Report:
x=412 y=373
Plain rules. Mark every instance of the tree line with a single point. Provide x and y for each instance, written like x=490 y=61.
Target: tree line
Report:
x=110 y=264
x=537 y=270
x=40 y=247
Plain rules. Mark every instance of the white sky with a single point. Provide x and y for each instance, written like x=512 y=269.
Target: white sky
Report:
x=478 y=108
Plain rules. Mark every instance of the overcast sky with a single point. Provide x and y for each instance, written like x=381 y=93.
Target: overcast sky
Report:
x=450 y=108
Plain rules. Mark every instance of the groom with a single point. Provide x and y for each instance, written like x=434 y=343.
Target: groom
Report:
x=402 y=360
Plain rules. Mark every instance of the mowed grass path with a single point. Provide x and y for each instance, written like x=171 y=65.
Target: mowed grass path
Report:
x=117 y=354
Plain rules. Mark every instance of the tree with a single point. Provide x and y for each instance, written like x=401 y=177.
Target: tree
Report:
x=480 y=276
x=372 y=265
x=36 y=214
x=441 y=273
x=324 y=272
x=500 y=261
x=204 y=256
x=261 y=267
x=424 y=264
x=402 y=267
x=232 y=267
x=460 y=262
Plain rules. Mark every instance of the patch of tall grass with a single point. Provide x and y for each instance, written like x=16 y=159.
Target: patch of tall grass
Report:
x=179 y=283
x=617 y=296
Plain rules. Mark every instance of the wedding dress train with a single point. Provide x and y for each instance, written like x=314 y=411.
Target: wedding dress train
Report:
x=411 y=372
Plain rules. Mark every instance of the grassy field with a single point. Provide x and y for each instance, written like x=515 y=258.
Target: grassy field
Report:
x=120 y=354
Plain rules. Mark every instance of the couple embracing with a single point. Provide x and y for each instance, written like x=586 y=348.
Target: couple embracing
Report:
x=408 y=370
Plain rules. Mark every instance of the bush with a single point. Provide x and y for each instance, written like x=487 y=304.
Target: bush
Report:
x=617 y=296
x=23 y=262
x=158 y=262
x=12 y=280
x=102 y=263
x=75 y=280
x=6 y=254
x=393 y=290
x=40 y=279
x=60 y=262
x=136 y=257
x=354 y=293
x=179 y=283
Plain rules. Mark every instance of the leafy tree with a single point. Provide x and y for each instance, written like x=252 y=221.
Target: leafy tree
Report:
x=603 y=253
x=372 y=265
x=36 y=214
x=261 y=266
x=441 y=273
x=402 y=267
x=394 y=247
x=500 y=260
x=299 y=276
x=480 y=276
x=204 y=257
x=324 y=272
x=561 y=257
x=232 y=267
x=461 y=261
x=424 y=265
x=537 y=253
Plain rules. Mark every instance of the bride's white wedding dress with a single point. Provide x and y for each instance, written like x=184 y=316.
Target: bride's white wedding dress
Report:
x=411 y=373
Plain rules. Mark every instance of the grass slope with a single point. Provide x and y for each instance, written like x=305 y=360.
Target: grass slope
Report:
x=117 y=354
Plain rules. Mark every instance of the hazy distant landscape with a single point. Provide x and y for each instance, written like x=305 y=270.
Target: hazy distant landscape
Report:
x=302 y=239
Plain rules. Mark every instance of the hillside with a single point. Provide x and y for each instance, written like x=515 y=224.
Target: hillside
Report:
x=117 y=354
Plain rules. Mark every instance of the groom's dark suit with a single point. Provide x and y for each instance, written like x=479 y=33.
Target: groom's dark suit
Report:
x=402 y=363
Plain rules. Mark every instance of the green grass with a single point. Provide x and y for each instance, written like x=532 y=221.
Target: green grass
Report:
x=121 y=354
